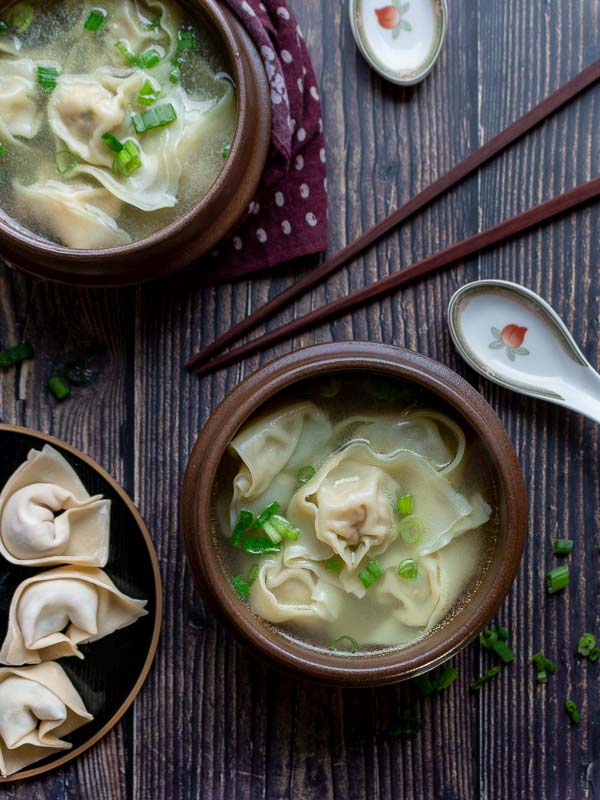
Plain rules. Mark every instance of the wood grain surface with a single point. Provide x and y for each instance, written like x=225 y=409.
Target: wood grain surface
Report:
x=212 y=722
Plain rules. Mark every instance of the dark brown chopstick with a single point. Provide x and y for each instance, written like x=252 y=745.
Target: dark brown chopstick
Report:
x=445 y=183
x=467 y=247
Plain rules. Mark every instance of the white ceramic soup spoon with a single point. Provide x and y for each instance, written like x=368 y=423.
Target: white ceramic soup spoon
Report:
x=511 y=336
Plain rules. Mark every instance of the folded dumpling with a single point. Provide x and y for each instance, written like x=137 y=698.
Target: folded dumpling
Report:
x=47 y=516
x=20 y=114
x=283 y=594
x=54 y=612
x=38 y=707
x=143 y=24
x=77 y=214
x=272 y=449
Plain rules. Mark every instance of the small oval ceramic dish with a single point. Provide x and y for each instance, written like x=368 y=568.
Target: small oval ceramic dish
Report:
x=133 y=248
x=107 y=685
x=437 y=393
x=400 y=39
x=513 y=337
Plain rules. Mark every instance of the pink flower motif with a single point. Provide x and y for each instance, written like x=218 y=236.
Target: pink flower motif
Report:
x=389 y=17
x=513 y=335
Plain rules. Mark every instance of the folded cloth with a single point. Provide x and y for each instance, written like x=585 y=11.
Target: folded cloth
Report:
x=288 y=217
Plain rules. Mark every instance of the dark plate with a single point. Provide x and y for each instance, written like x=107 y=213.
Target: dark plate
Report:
x=114 y=669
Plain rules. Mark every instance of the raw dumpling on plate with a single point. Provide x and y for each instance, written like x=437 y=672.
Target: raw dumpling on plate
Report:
x=54 y=612
x=47 y=517
x=38 y=706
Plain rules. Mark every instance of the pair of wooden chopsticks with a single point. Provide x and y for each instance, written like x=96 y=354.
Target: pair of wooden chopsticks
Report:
x=208 y=360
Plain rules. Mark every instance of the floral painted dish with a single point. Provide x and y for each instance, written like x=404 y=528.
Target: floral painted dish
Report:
x=400 y=39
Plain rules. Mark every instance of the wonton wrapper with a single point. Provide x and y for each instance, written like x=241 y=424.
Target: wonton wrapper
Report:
x=127 y=23
x=79 y=215
x=20 y=115
x=30 y=534
x=272 y=449
x=281 y=594
x=38 y=706
x=84 y=599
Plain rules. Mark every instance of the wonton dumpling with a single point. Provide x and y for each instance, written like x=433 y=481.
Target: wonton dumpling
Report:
x=416 y=600
x=132 y=24
x=31 y=534
x=281 y=594
x=53 y=612
x=20 y=115
x=275 y=446
x=38 y=706
x=74 y=212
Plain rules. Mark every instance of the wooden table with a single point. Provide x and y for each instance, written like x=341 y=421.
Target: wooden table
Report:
x=212 y=722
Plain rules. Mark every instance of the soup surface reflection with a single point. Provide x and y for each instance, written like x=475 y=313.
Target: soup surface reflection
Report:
x=115 y=119
x=356 y=514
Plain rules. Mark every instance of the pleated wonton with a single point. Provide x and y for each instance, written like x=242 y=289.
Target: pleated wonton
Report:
x=55 y=611
x=38 y=707
x=47 y=517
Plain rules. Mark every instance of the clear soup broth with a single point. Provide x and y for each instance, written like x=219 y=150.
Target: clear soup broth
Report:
x=356 y=513
x=115 y=119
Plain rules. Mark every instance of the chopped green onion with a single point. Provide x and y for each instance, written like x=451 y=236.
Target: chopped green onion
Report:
x=243 y=585
x=334 y=646
x=257 y=545
x=586 y=644
x=156 y=117
x=411 y=529
x=65 y=161
x=406 y=727
x=501 y=632
x=149 y=94
x=406 y=505
x=77 y=374
x=503 y=651
x=272 y=532
x=305 y=474
x=335 y=564
x=128 y=160
x=245 y=521
x=594 y=654
x=95 y=20
x=370 y=574
x=483 y=679
x=572 y=711
x=557 y=579
x=2 y=149
x=156 y=22
x=149 y=59
x=493 y=640
x=408 y=569
x=424 y=685
x=47 y=78
x=20 y=17
x=112 y=142
x=59 y=388
x=226 y=151
x=543 y=666
x=487 y=638
x=126 y=53
x=15 y=355
x=562 y=547
x=445 y=679
x=175 y=75
x=186 y=41
x=4 y=27
x=266 y=515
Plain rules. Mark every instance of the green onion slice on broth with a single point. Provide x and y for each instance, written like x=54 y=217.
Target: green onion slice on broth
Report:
x=20 y=17
x=335 y=645
x=335 y=564
x=245 y=521
x=149 y=94
x=408 y=569
x=149 y=59
x=370 y=574
x=156 y=117
x=406 y=505
x=258 y=545
x=127 y=160
x=47 y=78
x=305 y=474
x=65 y=161
x=96 y=19
x=411 y=529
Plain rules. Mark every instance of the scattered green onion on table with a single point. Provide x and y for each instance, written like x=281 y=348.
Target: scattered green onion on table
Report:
x=15 y=355
x=557 y=579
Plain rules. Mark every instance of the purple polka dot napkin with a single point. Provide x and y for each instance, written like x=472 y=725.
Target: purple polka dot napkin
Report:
x=288 y=217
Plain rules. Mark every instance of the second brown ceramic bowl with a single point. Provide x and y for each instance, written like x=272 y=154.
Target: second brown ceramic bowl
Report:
x=203 y=552
x=208 y=223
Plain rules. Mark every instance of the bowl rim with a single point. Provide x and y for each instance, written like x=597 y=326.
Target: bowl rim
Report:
x=202 y=549
x=224 y=27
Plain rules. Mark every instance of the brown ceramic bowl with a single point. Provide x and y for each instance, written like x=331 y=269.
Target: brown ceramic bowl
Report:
x=203 y=553
x=201 y=229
